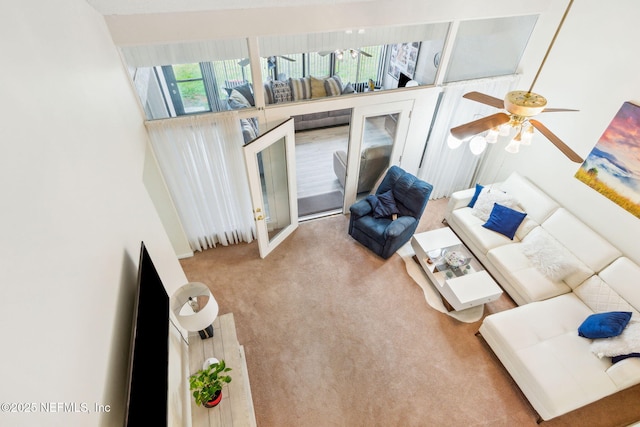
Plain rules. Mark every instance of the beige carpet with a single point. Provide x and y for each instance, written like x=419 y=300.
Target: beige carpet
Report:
x=335 y=336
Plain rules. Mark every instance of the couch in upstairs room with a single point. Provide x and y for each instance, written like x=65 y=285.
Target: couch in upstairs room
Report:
x=560 y=272
x=302 y=89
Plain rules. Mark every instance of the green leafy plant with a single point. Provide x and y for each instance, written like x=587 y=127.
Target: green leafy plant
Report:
x=208 y=381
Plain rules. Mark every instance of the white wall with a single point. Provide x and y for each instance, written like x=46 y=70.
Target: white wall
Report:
x=74 y=211
x=593 y=67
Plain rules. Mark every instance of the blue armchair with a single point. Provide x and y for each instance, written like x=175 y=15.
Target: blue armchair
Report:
x=371 y=222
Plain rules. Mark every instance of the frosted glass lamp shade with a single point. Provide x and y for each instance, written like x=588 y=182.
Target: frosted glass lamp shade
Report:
x=477 y=144
x=453 y=142
x=513 y=146
x=207 y=309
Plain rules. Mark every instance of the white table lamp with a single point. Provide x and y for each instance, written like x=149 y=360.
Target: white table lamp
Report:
x=193 y=311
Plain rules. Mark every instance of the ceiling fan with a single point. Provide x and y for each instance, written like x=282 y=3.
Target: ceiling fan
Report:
x=521 y=107
x=340 y=53
x=272 y=59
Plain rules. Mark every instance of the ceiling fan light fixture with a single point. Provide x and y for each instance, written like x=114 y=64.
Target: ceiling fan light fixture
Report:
x=477 y=144
x=354 y=53
x=492 y=135
x=527 y=136
x=453 y=142
x=505 y=129
x=513 y=146
x=339 y=54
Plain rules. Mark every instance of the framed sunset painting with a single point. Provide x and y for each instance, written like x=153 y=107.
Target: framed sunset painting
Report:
x=613 y=166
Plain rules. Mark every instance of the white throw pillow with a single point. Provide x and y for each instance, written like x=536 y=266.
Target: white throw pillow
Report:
x=548 y=256
x=625 y=343
x=486 y=199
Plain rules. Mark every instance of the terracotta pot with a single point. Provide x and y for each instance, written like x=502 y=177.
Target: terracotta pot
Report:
x=217 y=398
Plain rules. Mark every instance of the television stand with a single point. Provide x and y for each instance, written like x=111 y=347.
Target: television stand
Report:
x=236 y=408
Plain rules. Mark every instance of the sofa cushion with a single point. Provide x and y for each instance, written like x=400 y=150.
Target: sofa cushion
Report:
x=475 y=195
x=317 y=87
x=535 y=202
x=481 y=237
x=601 y=297
x=548 y=255
x=623 y=276
x=268 y=93
x=487 y=198
x=604 y=325
x=540 y=348
x=245 y=90
x=580 y=240
x=300 y=88
x=504 y=220
x=526 y=280
x=237 y=100
x=281 y=91
x=333 y=86
x=624 y=343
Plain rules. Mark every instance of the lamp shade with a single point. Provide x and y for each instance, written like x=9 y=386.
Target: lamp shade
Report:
x=187 y=317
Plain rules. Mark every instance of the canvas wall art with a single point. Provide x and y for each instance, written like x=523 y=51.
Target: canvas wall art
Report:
x=403 y=59
x=613 y=166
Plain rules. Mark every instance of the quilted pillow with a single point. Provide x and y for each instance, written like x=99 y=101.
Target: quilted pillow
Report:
x=504 y=220
x=281 y=91
x=604 y=325
x=548 y=256
x=486 y=199
x=300 y=88
x=626 y=343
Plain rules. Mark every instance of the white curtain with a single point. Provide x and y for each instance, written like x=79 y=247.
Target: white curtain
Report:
x=202 y=163
x=450 y=170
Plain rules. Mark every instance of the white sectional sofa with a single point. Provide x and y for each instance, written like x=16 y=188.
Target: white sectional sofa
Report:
x=538 y=342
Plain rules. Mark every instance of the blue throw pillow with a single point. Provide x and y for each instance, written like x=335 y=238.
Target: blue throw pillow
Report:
x=475 y=195
x=504 y=220
x=384 y=205
x=604 y=325
x=616 y=359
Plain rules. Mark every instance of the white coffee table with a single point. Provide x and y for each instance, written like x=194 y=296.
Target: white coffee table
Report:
x=461 y=287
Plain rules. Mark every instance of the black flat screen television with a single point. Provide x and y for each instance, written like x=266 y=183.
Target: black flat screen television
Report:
x=149 y=352
x=403 y=79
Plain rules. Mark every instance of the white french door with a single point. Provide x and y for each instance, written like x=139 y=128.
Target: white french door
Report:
x=270 y=163
x=376 y=130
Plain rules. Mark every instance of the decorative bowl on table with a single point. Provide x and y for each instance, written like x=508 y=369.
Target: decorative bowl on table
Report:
x=455 y=259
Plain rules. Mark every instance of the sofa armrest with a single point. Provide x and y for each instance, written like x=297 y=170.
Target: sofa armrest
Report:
x=625 y=373
x=397 y=227
x=459 y=199
x=340 y=166
x=360 y=209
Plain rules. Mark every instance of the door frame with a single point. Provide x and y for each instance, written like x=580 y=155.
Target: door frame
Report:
x=356 y=134
x=251 y=150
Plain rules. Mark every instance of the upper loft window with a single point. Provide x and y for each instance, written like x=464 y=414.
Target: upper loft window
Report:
x=489 y=47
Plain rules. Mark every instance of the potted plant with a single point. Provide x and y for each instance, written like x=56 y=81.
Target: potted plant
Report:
x=207 y=383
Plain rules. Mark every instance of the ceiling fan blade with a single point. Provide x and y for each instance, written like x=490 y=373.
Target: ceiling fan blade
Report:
x=243 y=62
x=572 y=155
x=485 y=99
x=557 y=110
x=362 y=52
x=287 y=58
x=324 y=53
x=480 y=125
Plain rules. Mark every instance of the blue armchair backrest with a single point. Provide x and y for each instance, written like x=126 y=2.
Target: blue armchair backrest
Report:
x=411 y=193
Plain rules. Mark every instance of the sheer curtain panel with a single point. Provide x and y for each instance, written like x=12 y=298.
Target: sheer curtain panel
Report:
x=202 y=163
x=447 y=169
